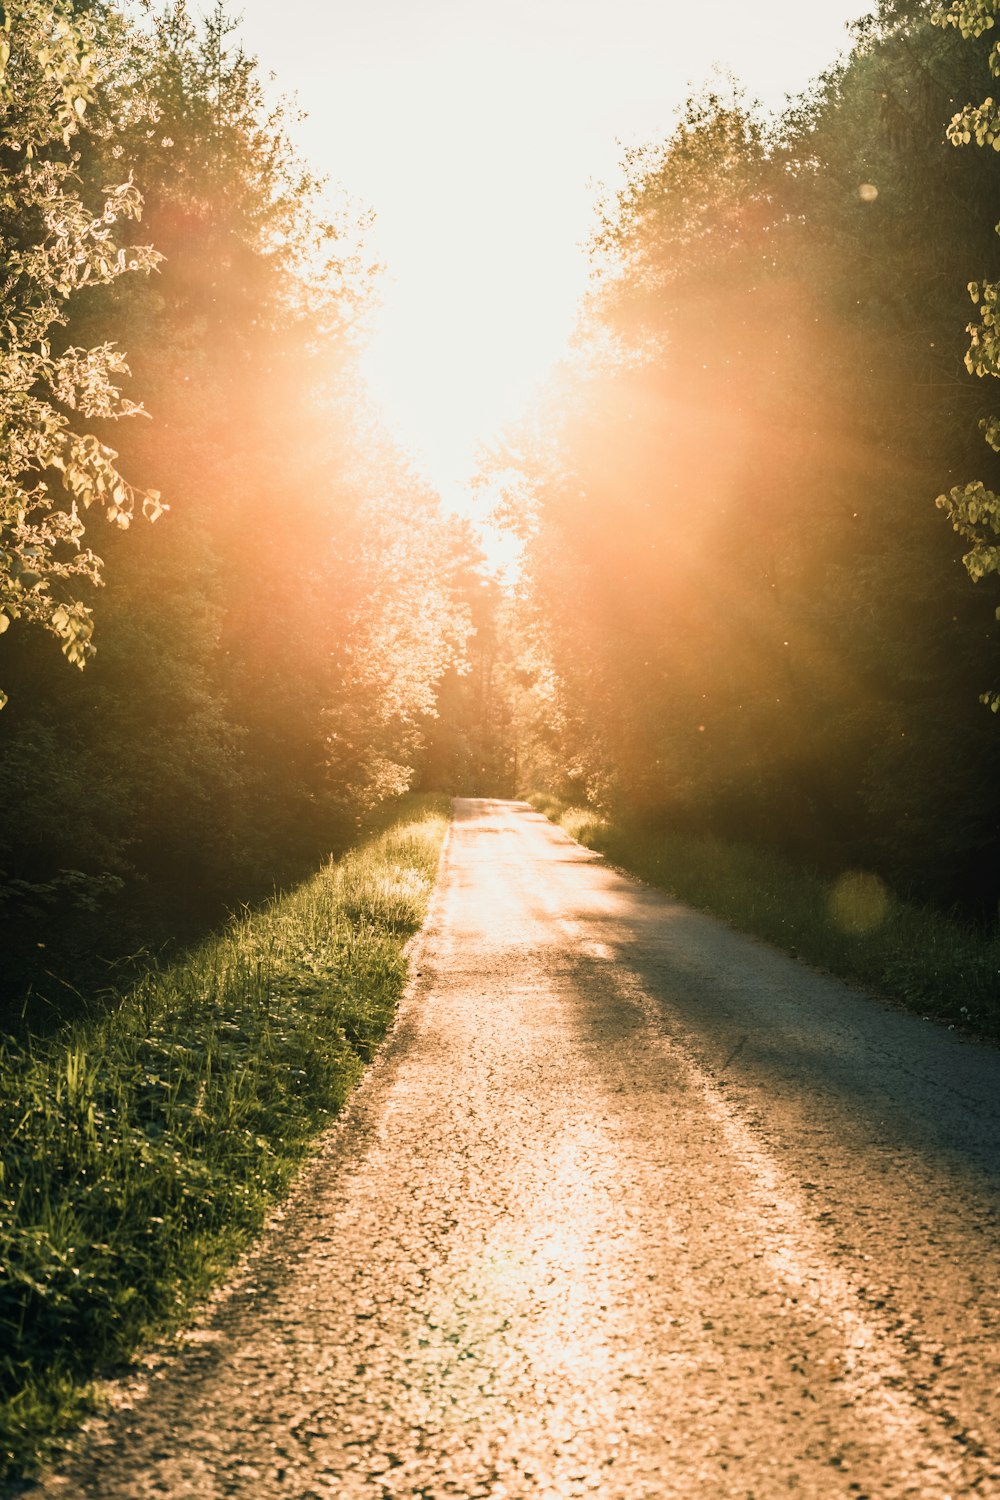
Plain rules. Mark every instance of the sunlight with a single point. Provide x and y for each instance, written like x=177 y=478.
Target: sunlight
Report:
x=479 y=136
x=529 y=996
x=477 y=310
x=451 y=367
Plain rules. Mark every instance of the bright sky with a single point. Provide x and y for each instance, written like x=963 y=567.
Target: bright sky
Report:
x=479 y=130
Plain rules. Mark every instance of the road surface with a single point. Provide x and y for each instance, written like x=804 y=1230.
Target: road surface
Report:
x=630 y=1207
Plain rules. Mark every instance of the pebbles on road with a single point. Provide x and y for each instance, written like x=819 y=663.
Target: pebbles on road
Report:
x=630 y=1206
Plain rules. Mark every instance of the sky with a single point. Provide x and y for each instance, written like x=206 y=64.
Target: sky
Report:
x=480 y=134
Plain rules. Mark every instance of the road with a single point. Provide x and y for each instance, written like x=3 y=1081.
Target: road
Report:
x=630 y=1206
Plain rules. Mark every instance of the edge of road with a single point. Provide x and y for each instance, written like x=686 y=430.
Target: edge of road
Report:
x=414 y=946
x=946 y=1025
x=199 y=1339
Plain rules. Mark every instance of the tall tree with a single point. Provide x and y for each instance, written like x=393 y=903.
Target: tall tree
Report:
x=756 y=620
x=270 y=652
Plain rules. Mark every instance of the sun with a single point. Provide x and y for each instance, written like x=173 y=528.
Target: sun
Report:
x=481 y=137
x=477 y=306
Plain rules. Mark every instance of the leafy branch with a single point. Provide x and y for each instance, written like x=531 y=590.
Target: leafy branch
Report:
x=52 y=244
x=973 y=509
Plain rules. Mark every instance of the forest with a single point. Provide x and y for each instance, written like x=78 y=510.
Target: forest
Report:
x=754 y=619
x=278 y=596
x=239 y=620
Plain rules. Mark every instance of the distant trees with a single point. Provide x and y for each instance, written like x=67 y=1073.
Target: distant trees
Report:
x=757 y=624
x=481 y=740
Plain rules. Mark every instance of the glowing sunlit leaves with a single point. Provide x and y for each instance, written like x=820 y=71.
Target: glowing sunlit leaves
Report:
x=976 y=122
x=974 y=510
x=73 y=626
x=153 y=506
x=971 y=17
x=54 y=244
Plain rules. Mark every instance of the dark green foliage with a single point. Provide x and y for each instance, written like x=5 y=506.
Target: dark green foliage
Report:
x=759 y=624
x=54 y=244
x=974 y=509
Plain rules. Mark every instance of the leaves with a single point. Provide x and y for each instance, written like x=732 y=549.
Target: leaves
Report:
x=974 y=510
x=971 y=17
x=53 y=244
x=753 y=614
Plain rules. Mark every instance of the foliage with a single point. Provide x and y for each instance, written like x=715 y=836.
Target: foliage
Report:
x=53 y=244
x=756 y=627
x=974 y=509
x=271 y=650
x=486 y=734
x=141 y=1152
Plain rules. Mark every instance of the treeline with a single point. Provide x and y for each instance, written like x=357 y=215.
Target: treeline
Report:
x=758 y=621
x=268 y=651
x=741 y=613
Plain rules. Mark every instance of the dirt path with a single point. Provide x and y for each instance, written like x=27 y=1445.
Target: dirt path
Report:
x=630 y=1207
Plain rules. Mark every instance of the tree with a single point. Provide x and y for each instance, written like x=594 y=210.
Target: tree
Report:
x=974 y=509
x=53 y=244
x=270 y=652
x=756 y=622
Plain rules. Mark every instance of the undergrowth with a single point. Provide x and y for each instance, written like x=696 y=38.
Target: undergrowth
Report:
x=854 y=927
x=141 y=1151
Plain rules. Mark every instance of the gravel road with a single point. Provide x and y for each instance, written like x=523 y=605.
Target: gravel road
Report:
x=630 y=1206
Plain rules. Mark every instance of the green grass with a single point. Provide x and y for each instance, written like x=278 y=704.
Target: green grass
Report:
x=854 y=927
x=141 y=1151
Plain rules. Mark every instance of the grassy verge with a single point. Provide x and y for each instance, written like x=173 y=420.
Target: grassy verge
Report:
x=853 y=927
x=141 y=1152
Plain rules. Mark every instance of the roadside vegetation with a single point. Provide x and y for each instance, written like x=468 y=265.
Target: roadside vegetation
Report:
x=761 y=524
x=852 y=925
x=142 y=1150
x=259 y=664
